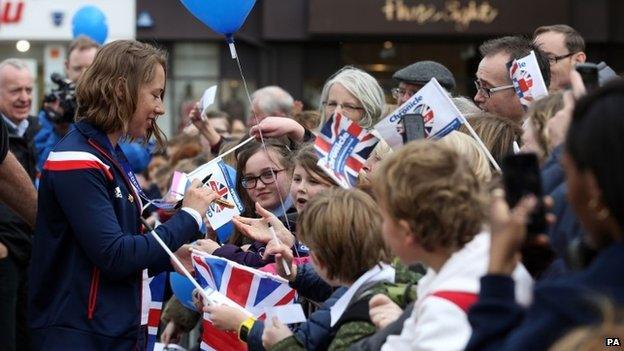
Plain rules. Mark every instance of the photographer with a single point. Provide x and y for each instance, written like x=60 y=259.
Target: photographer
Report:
x=57 y=114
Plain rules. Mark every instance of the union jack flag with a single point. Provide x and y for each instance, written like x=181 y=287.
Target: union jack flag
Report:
x=220 y=189
x=250 y=288
x=527 y=79
x=523 y=82
x=157 y=290
x=343 y=147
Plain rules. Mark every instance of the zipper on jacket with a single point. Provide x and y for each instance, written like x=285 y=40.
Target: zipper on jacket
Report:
x=95 y=281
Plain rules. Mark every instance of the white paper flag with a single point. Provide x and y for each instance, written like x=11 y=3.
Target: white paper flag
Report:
x=221 y=184
x=527 y=79
x=440 y=116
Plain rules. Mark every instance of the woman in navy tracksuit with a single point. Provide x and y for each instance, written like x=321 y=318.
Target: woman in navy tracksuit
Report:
x=90 y=261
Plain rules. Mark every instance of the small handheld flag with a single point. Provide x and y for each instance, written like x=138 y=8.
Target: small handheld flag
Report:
x=527 y=79
x=343 y=147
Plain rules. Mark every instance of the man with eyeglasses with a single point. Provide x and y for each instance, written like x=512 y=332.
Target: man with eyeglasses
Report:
x=416 y=75
x=495 y=92
x=564 y=47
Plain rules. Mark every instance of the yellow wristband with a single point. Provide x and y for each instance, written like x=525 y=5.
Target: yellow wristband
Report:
x=245 y=327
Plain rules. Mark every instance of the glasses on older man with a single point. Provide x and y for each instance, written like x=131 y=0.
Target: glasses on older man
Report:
x=331 y=106
x=489 y=91
x=399 y=93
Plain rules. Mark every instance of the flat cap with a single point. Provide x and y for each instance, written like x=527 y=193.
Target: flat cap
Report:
x=421 y=73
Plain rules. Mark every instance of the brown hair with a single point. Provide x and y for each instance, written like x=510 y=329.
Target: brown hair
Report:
x=540 y=112
x=497 y=133
x=573 y=40
x=343 y=230
x=432 y=188
x=81 y=43
x=468 y=148
x=107 y=93
x=284 y=158
x=307 y=158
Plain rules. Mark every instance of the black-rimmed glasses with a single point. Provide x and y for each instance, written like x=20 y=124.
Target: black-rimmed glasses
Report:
x=265 y=177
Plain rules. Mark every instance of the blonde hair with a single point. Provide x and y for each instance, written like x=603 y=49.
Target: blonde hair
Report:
x=364 y=87
x=467 y=147
x=343 y=230
x=108 y=92
x=540 y=112
x=497 y=133
x=434 y=189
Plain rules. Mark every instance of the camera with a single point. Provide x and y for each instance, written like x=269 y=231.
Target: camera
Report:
x=65 y=94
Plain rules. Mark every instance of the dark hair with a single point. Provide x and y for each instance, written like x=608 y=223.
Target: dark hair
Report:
x=253 y=147
x=517 y=47
x=573 y=40
x=307 y=158
x=594 y=141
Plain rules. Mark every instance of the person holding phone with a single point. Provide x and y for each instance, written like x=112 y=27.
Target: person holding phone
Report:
x=90 y=266
x=595 y=181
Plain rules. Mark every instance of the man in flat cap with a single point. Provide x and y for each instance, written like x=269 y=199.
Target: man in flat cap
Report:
x=416 y=75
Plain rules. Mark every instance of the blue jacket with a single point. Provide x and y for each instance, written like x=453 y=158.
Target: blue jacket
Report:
x=559 y=305
x=86 y=281
x=315 y=333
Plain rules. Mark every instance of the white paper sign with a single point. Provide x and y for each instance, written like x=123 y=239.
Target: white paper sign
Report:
x=221 y=184
x=208 y=99
x=440 y=115
x=287 y=314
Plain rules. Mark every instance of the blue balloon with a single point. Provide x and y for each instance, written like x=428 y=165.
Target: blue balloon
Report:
x=223 y=16
x=90 y=21
x=182 y=289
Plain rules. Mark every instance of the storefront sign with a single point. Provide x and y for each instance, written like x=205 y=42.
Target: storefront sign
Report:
x=404 y=17
x=51 y=20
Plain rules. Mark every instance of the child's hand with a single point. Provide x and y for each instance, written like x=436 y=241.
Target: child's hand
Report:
x=171 y=334
x=258 y=228
x=274 y=332
x=225 y=317
x=383 y=311
x=206 y=245
x=282 y=254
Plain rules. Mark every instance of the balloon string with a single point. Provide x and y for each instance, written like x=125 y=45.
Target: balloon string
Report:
x=264 y=147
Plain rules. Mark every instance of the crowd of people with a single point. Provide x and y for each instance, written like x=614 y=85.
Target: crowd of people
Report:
x=452 y=263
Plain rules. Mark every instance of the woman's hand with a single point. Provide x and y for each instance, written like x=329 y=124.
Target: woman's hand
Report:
x=274 y=332
x=275 y=127
x=257 y=229
x=225 y=317
x=383 y=311
x=282 y=254
x=198 y=197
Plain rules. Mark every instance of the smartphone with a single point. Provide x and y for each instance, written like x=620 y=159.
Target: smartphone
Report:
x=589 y=73
x=414 y=127
x=521 y=177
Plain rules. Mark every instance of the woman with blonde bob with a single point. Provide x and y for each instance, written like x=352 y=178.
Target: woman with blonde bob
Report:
x=88 y=287
x=355 y=94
